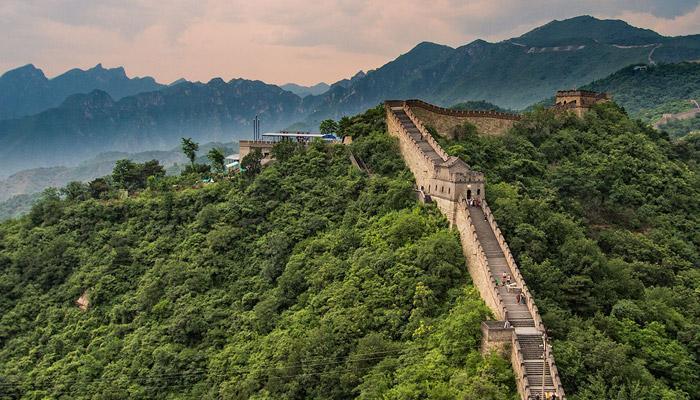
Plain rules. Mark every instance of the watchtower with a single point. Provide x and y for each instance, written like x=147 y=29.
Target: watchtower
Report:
x=579 y=101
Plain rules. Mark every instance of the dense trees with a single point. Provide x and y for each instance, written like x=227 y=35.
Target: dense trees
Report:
x=602 y=214
x=328 y=126
x=217 y=158
x=308 y=280
x=189 y=148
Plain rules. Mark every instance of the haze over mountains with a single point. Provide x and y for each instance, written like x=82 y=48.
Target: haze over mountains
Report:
x=26 y=90
x=303 y=91
x=512 y=74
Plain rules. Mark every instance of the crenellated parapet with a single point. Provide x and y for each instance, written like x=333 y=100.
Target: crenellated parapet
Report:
x=445 y=120
x=458 y=191
x=414 y=103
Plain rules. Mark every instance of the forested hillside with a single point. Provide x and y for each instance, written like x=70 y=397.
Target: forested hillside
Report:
x=650 y=91
x=307 y=280
x=603 y=217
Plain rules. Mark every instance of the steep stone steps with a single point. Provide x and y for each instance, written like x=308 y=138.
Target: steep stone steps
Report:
x=415 y=134
x=538 y=377
x=522 y=323
x=519 y=316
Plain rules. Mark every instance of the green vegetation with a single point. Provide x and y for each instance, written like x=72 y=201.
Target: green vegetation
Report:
x=189 y=149
x=479 y=105
x=303 y=279
x=328 y=126
x=603 y=216
x=217 y=158
x=17 y=206
x=655 y=113
x=649 y=92
x=680 y=128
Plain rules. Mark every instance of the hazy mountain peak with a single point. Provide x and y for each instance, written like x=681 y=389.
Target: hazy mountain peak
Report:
x=216 y=81
x=96 y=98
x=179 y=81
x=303 y=91
x=25 y=71
x=587 y=29
x=358 y=75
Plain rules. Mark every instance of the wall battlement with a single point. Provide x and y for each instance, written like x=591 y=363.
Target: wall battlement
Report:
x=452 y=184
x=445 y=120
x=462 y=113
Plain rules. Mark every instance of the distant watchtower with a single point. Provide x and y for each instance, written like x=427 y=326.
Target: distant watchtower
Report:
x=579 y=101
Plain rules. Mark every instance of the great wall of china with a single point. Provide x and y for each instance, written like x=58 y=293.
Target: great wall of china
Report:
x=450 y=182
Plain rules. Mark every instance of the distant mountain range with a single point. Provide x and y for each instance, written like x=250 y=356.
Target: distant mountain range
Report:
x=303 y=91
x=26 y=90
x=87 y=124
x=513 y=74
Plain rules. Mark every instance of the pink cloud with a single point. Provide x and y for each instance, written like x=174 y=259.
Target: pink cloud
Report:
x=276 y=41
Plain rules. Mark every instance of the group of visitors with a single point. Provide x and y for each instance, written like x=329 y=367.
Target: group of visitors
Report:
x=505 y=279
x=474 y=202
x=547 y=396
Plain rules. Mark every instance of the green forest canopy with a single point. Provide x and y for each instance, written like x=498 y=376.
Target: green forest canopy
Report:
x=312 y=280
x=309 y=280
x=648 y=92
x=602 y=214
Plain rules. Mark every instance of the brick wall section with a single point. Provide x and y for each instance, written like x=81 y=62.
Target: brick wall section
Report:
x=518 y=277
x=445 y=119
x=454 y=207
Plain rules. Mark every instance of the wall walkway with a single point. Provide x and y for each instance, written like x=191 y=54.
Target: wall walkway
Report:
x=484 y=247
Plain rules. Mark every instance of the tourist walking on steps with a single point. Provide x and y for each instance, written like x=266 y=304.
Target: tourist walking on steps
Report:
x=503 y=279
x=508 y=279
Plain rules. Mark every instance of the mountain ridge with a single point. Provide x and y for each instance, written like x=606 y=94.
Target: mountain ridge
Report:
x=509 y=73
x=26 y=90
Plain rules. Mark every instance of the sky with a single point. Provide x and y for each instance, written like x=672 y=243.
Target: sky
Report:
x=305 y=42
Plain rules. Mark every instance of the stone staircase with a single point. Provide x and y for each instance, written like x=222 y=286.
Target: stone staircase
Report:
x=415 y=134
x=520 y=317
x=488 y=254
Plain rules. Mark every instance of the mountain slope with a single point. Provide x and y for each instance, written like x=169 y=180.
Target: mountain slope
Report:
x=26 y=90
x=513 y=73
x=649 y=91
x=601 y=214
x=585 y=29
x=88 y=124
x=310 y=280
x=303 y=91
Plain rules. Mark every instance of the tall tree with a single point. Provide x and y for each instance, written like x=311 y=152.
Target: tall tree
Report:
x=252 y=163
x=216 y=156
x=328 y=126
x=190 y=147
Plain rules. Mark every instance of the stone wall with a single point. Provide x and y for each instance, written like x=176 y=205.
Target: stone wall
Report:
x=496 y=337
x=518 y=277
x=444 y=120
x=477 y=262
x=246 y=146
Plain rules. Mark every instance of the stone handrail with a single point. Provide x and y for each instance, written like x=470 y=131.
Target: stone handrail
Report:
x=530 y=300
x=405 y=134
x=470 y=237
x=461 y=113
x=482 y=259
x=426 y=135
x=521 y=375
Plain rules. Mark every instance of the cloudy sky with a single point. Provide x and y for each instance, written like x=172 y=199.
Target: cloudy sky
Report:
x=282 y=41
